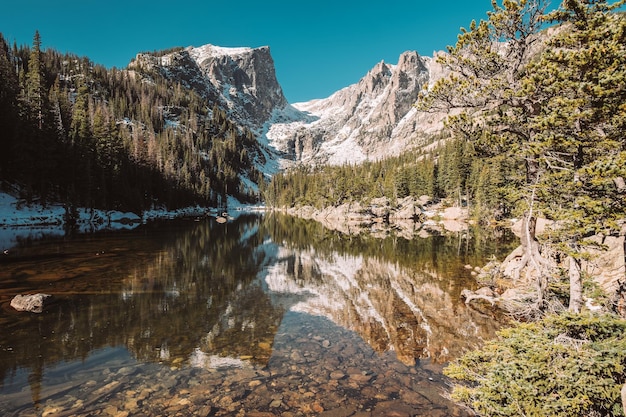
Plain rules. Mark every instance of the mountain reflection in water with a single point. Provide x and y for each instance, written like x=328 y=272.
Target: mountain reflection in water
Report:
x=176 y=297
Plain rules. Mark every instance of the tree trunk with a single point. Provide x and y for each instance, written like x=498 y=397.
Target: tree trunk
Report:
x=528 y=250
x=623 y=392
x=528 y=257
x=575 y=286
x=533 y=259
x=531 y=253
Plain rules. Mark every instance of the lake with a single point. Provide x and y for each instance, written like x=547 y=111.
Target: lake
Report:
x=266 y=315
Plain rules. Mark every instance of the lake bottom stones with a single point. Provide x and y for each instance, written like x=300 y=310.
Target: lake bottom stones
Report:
x=314 y=369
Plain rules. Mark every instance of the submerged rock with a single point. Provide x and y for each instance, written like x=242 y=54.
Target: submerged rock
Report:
x=33 y=303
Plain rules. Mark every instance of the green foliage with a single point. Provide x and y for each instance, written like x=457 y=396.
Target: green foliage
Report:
x=446 y=254
x=547 y=123
x=548 y=107
x=76 y=132
x=580 y=82
x=445 y=172
x=569 y=365
x=490 y=186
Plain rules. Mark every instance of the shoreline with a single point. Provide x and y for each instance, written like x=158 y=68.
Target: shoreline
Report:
x=408 y=217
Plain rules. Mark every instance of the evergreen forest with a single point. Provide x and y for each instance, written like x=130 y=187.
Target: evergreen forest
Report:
x=75 y=132
x=452 y=170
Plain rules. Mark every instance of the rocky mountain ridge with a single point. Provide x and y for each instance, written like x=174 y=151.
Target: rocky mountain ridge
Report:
x=239 y=80
x=371 y=119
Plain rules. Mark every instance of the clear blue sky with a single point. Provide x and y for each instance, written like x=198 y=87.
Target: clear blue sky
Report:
x=318 y=46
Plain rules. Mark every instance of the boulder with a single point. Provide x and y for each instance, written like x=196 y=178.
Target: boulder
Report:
x=608 y=266
x=454 y=213
x=424 y=200
x=541 y=227
x=407 y=209
x=33 y=303
x=381 y=207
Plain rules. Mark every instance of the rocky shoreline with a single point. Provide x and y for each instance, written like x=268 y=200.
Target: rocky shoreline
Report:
x=407 y=217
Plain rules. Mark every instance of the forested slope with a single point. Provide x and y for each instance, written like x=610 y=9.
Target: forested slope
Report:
x=77 y=133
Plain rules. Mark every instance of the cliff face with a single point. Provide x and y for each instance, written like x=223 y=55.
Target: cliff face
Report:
x=371 y=119
x=239 y=80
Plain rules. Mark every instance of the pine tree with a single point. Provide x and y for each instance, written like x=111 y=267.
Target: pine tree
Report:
x=36 y=91
x=83 y=146
x=9 y=90
x=557 y=109
x=38 y=138
x=580 y=84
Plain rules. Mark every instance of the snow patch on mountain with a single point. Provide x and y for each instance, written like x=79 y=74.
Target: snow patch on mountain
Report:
x=372 y=119
x=201 y=53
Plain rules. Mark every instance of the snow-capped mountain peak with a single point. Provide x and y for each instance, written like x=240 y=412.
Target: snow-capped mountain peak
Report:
x=371 y=119
x=240 y=80
x=201 y=53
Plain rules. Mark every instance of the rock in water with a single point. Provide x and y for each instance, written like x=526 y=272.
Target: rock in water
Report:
x=33 y=303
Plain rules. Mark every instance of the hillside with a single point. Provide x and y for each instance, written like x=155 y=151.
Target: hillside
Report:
x=133 y=139
x=190 y=125
x=372 y=119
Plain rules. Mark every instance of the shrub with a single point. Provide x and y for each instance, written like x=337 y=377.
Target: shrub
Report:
x=567 y=365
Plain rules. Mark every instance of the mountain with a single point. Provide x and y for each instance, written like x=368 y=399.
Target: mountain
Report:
x=192 y=125
x=372 y=119
x=239 y=80
x=175 y=121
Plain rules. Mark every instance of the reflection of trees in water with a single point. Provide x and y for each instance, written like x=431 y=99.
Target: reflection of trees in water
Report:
x=202 y=278
x=189 y=282
x=445 y=254
x=397 y=294
x=166 y=290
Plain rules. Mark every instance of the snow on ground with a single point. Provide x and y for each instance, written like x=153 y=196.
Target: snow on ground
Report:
x=346 y=151
x=19 y=221
x=12 y=213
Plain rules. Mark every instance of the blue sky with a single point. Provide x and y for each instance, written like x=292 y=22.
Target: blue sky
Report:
x=318 y=46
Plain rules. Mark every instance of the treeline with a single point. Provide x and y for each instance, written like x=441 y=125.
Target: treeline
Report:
x=453 y=170
x=78 y=133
